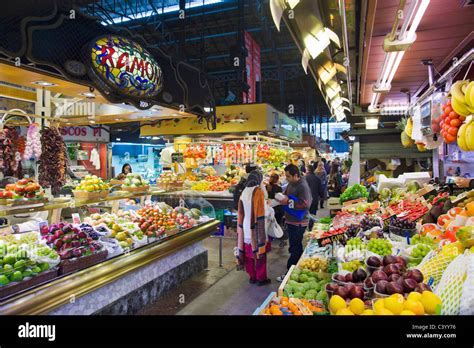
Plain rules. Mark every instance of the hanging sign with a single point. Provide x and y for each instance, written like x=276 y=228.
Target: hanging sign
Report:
x=122 y=66
x=85 y=134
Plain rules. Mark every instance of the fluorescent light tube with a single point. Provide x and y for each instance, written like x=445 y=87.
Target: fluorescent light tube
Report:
x=417 y=19
x=395 y=67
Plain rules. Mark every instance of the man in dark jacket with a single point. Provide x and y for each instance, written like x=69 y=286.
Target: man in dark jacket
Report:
x=317 y=192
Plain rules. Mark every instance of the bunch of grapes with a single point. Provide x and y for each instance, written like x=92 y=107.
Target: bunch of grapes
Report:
x=403 y=224
x=419 y=239
x=355 y=244
x=351 y=266
x=380 y=246
x=420 y=251
x=369 y=222
x=352 y=230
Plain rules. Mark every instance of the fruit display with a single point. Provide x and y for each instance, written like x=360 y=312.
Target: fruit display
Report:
x=232 y=175
x=450 y=123
x=406 y=140
x=353 y=192
x=340 y=306
x=305 y=284
x=380 y=246
x=24 y=189
x=196 y=151
x=416 y=253
x=114 y=226
x=72 y=241
x=53 y=161
x=351 y=266
x=465 y=136
x=291 y=306
x=415 y=303
x=169 y=180
x=91 y=187
x=314 y=264
x=134 y=183
x=462 y=97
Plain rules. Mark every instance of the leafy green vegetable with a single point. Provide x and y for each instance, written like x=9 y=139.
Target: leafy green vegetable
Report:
x=353 y=192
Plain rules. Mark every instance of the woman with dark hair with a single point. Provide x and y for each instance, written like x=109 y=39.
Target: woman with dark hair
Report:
x=251 y=236
x=323 y=176
x=126 y=169
x=335 y=180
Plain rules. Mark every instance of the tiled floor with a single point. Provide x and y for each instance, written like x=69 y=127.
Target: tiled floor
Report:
x=222 y=290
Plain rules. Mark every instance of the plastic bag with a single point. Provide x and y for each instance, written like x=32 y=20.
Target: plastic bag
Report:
x=451 y=287
x=272 y=228
x=467 y=297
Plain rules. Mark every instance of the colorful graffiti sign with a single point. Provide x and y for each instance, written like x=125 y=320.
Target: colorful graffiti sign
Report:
x=126 y=67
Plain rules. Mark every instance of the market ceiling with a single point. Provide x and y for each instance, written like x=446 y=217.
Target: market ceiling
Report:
x=445 y=32
x=207 y=38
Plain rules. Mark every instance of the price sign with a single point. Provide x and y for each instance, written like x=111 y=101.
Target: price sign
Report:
x=330 y=239
x=177 y=157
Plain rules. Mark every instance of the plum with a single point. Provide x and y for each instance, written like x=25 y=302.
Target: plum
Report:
x=358 y=292
x=359 y=275
x=374 y=261
x=394 y=277
x=381 y=286
x=340 y=277
x=409 y=285
x=368 y=283
x=401 y=261
x=331 y=287
x=341 y=291
x=422 y=287
x=389 y=259
x=348 y=277
x=416 y=275
x=378 y=276
x=391 y=269
x=394 y=288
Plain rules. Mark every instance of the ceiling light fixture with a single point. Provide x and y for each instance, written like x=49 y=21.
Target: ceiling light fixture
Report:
x=395 y=45
x=372 y=123
x=88 y=94
x=44 y=83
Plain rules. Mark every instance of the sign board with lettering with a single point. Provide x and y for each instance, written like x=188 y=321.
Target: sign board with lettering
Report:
x=86 y=134
x=331 y=239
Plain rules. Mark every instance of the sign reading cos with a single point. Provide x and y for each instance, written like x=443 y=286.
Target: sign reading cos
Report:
x=126 y=67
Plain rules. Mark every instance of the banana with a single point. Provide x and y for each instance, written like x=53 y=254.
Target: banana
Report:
x=467 y=95
x=459 y=107
x=471 y=97
x=456 y=90
x=462 y=137
x=469 y=137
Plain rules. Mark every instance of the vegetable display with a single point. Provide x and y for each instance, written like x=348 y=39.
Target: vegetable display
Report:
x=53 y=160
x=353 y=192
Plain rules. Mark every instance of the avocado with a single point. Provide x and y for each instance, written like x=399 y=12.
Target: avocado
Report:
x=436 y=211
x=447 y=205
x=428 y=219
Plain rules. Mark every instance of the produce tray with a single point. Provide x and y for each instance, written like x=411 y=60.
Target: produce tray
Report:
x=172 y=232
x=16 y=287
x=84 y=195
x=76 y=264
x=140 y=189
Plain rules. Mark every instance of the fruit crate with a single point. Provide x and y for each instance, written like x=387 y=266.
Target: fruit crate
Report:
x=285 y=281
x=76 y=264
x=15 y=287
x=139 y=189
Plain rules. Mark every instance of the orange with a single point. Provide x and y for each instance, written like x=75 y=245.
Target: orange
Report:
x=470 y=208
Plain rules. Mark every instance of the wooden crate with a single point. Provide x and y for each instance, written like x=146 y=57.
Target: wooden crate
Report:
x=285 y=281
x=16 y=287
x=76 y=264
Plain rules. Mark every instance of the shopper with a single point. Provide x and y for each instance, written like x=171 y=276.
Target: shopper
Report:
x=316 y=187
x=251 y=237
x=273 y=188
x=327 y=166
x=296 y=203
x=323 y=176
x=126 y=169
x=335 y=180
x=242 y=184
x=302 y=166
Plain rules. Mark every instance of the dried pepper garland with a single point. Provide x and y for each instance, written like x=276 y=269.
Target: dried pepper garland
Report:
x=53 y=160
x=10 y=158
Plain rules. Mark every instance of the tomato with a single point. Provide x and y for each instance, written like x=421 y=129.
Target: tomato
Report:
x=448 y=103
x=450 y=138
x=453 y=115
x=443 y=116
x=453 y=130
x=455 y=123
x=448 y=109
x=462 y=118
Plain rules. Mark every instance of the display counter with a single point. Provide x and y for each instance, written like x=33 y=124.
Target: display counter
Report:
x=120 y=285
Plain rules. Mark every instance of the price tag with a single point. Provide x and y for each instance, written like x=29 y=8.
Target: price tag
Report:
x=76 y=219
x=43 y=227
x=331 y=239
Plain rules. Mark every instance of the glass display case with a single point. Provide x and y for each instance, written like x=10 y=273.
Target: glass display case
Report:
x=82 y=245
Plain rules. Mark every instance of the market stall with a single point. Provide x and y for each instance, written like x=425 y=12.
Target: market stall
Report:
x=405 y=252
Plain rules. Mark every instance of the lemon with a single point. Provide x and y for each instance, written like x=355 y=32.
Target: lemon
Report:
x=378 y=306
x=384 y=311
x=414 y=306
x=344 y=311
x=415 y=296
x=336 y=303
x=394 y=304
x=407 y=312
x=357 y=306
x=368 y=312
x=430 y=301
